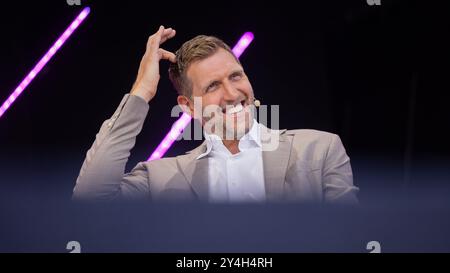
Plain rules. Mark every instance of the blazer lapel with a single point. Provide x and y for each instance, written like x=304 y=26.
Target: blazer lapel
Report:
x=275 y=161
x=196 y=171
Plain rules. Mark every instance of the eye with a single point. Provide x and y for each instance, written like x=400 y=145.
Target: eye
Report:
x=212 y=86
x=236 y=76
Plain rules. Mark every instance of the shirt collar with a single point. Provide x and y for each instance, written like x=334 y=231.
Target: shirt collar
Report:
x=251 y=138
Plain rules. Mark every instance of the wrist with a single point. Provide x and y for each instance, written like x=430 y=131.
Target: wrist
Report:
x=143 y=93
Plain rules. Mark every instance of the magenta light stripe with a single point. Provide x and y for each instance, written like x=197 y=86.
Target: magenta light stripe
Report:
x=44 y=60
x=243 y=43
x=183 y=121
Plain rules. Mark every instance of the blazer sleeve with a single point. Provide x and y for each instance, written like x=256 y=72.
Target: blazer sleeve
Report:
x=102 y=174
x=337 y=175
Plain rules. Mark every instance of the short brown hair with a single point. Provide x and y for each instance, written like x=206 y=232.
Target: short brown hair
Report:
x=198 y=48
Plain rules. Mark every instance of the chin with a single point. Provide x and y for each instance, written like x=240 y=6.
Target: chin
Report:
x=236 y=128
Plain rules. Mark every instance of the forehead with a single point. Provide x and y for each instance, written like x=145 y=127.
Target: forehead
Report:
x=216 y=66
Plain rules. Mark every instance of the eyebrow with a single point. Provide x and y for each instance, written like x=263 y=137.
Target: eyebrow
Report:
x=236 y=71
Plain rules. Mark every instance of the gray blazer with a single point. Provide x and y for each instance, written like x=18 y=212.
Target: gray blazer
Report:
x=306 y=166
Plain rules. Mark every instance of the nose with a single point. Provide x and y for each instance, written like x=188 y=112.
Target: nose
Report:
x=231 y=94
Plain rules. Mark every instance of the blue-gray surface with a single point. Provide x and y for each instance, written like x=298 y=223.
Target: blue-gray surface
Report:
x=415 y=223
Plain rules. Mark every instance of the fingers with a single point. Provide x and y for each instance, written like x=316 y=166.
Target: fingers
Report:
x=167 y=55
x=154 y=40
x=168 y=33
x=162 y=35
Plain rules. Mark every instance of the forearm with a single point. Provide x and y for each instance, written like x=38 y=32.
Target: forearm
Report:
x=103 y=169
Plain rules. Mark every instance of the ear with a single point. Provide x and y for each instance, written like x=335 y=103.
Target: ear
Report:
x=186 y=105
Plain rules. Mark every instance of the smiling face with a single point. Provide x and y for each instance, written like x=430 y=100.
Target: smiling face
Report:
x=221 y=85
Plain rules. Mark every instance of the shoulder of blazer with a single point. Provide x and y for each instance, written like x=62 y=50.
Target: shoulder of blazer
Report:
x=302 y=137
x=309 y=132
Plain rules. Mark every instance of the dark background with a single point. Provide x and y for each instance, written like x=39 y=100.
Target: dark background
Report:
x=375 y=75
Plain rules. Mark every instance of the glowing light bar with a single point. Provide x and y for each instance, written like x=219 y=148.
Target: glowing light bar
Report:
x=44 y=60
x=243 y=43
x=183 y=121
x=177 y=129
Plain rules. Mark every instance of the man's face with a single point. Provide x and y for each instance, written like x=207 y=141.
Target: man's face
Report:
x=226 y=95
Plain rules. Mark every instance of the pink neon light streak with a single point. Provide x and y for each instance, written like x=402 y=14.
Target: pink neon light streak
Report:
x=44 y=60
x=183 y=121
x=243 y=43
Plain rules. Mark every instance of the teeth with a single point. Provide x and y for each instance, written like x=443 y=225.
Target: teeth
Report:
x=236 y=109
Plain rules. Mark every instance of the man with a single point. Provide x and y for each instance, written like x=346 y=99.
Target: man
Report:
x=237 y=162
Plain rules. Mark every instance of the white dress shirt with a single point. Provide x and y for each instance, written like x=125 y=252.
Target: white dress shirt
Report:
x=238 y=177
